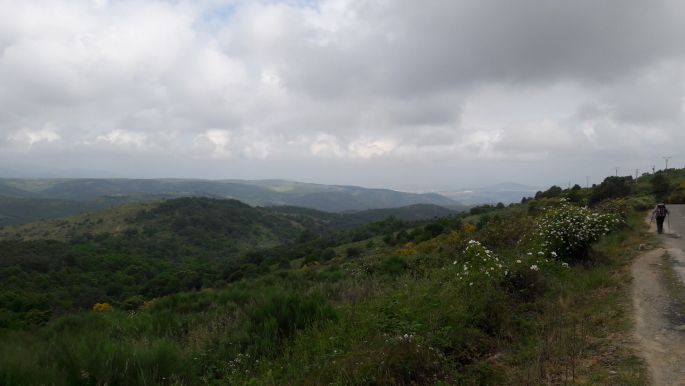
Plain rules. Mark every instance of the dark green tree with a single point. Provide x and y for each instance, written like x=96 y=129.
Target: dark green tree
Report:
x=660 y=187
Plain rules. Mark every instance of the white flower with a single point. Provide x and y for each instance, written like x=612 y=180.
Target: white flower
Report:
x=564 y=264
x=534 y=267
x=518 y=261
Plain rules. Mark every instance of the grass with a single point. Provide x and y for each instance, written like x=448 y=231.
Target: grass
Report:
x=584 y=331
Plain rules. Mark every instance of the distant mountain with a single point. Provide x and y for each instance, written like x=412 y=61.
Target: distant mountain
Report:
x=506 y=192
x=102 y=193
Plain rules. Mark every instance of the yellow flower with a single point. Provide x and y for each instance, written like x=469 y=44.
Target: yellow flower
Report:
x=102 y=307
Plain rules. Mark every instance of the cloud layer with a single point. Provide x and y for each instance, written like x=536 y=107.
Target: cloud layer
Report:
x=452 y=91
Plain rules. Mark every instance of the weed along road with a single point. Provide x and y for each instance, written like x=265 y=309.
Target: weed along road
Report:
x=659 y=302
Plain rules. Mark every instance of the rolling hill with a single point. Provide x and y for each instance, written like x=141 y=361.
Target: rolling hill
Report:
x=23 y=201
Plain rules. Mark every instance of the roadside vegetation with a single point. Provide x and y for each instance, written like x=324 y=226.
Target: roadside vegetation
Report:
x=531 y=293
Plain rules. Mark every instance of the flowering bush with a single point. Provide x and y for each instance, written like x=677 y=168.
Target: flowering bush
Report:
x=470 y=228
x=480 y=265
x=566 y=232
x=102 y=307
x=483 y=274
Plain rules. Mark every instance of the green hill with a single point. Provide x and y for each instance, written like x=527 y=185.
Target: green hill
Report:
x=24 y=201
x=197 y=291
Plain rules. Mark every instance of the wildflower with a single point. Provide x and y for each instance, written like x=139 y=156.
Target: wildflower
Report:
x=534 y=267
x=518 y=261
x=564 y=264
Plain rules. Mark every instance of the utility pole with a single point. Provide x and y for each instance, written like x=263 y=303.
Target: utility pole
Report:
x=616 y=171
x=653 y=169
x=666 y=159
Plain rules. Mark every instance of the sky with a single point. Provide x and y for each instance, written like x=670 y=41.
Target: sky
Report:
x=405 y=94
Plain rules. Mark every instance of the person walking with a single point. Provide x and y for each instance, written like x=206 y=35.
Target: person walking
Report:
x=660 y=213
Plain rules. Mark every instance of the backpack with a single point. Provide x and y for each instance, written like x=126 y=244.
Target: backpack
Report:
x=661 y=211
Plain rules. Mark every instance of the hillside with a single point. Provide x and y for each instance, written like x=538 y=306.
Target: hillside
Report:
x=134 y=217
x=23 y=201
x=514 y=294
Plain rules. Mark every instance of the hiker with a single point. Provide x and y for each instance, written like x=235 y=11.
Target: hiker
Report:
x=660 y=212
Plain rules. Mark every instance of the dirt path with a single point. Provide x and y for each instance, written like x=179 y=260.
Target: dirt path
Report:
x=660 y=332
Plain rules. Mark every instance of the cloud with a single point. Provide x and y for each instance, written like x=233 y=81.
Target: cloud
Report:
x=27 y=138
x=123 y=138
x=282 y=84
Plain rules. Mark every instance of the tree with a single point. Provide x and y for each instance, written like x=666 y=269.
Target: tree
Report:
x=660 y=187
x=554 y=191
x=611 y=187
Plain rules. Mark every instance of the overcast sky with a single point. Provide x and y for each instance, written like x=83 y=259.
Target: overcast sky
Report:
x=408 y=94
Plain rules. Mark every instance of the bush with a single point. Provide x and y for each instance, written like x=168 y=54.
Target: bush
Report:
x=660 y=187
x=552 y=192
x=567 y=231
x=102 y=307
x=393 y=266
x=281 y=315
x=611 y=187
x=353 y=252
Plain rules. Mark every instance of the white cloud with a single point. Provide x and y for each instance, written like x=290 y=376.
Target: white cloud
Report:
x=123 y=138
x=27 y=138
x=213 y=144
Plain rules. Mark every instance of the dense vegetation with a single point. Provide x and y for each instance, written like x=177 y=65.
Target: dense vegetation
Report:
x=179 y=245
x=504 y=295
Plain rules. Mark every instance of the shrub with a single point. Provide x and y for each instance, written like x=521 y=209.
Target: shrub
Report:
x=327 y=254
x=393 y=266
x=612 y=187
x=353 y=252
x=568 y=231
x=552 y=192
x=102 y=307
x=660 y=187
x=281 y=315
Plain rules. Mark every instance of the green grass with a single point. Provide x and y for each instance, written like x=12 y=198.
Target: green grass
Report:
x=584 y=332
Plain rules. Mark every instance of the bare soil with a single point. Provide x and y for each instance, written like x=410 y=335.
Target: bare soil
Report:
x=660 y=329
